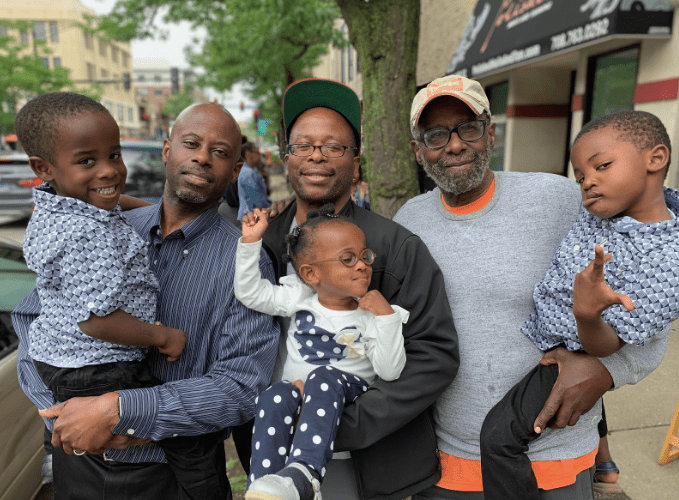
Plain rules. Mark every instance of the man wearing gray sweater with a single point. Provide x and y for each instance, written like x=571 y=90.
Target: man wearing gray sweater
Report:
x=493 y=235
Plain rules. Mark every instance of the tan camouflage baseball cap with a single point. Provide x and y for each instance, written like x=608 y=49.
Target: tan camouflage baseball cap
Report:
x=468 y=91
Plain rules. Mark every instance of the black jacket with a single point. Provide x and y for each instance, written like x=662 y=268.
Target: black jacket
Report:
x=394 y=461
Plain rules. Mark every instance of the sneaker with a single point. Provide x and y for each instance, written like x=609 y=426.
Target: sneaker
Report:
x=274 y=487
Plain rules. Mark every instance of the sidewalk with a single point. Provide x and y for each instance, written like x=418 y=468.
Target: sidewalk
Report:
x=638 y=419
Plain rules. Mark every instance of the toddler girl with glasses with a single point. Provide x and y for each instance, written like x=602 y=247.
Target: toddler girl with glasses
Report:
x=341 y=337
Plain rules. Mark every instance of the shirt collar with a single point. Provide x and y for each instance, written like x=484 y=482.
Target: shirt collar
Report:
x=47 y=198
x=189 y=231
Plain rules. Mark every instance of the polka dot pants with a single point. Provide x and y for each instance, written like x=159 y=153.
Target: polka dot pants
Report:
x=275 y=443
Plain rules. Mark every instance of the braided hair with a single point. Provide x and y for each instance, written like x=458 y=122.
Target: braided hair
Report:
x=301 y=238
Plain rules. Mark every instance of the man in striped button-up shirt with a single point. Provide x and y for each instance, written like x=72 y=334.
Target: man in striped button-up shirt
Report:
x=230 y=350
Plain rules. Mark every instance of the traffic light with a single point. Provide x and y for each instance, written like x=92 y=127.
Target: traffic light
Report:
x=174 y=79
x=126 y=81
x=242 y=105
x=255 y=117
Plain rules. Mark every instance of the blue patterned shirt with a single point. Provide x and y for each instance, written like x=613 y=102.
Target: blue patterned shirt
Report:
x=88 y=261
x=230 y=350
x=645 y=267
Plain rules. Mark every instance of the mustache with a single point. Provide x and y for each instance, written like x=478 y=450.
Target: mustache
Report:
x=198 y=171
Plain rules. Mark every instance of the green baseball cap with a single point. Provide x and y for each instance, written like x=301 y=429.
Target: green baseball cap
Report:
x=320 y=92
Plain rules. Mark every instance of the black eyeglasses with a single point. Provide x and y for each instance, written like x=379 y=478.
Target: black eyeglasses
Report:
x=329 y=150
x=439 y=137
x=350 y=259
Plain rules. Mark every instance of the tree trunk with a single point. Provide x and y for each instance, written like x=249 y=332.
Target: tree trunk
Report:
x=385 y=34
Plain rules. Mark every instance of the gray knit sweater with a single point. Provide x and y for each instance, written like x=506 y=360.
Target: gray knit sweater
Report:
x=491 y=260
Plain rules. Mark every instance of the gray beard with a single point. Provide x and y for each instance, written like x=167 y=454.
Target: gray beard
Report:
x=458 y=183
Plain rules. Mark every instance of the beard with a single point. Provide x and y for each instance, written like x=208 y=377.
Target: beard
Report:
x=461 y=182
x=190 y=196
x=340 y=188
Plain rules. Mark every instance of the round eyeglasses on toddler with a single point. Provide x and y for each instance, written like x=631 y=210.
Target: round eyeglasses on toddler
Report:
x=350 y=259
x=439 y=137
x=329 y=150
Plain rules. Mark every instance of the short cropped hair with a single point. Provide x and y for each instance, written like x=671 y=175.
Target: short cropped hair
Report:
x=36 y=124
x=247 y=146
x=643 y=130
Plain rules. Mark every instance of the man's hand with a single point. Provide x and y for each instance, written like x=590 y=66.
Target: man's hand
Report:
x=84 y=424
x=374 y=302
x=591 y=293
x=254 y=224
x=278 y=206
x=582 y=380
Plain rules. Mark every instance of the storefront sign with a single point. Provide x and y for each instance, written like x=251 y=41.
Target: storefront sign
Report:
x=503 y=33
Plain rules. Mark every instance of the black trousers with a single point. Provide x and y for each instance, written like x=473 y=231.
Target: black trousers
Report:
x=198 y=462
x=506 y=433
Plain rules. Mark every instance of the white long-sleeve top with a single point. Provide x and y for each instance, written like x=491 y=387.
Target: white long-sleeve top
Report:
x=356 y=342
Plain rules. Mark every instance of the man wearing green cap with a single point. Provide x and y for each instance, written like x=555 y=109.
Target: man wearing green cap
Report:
x=387 y=429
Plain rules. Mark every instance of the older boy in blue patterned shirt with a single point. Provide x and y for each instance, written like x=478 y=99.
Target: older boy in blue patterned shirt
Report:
x=620 y=162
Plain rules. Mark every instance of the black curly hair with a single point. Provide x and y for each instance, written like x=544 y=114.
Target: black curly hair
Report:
x=643 y=130
x=36 y=124
x=299 y=240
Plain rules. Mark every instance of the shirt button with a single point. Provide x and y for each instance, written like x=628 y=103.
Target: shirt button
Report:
x=576 y=247
x=90 y=305
x=186 y=252
x=155 y=262
x=130 y=431
x=175 y=435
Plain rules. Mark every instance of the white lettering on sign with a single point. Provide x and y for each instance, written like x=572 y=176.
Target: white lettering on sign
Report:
x=580 y=34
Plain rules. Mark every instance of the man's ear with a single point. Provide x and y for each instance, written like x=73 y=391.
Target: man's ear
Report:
x=357 y=166
x=236 y=170
x=658 y=157
x=166 y=149
x=42 y=168
x=308 y=275
x=418 y=152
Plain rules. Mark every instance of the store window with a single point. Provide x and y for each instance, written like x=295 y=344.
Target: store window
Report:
x=497 y=95
x=612 y=78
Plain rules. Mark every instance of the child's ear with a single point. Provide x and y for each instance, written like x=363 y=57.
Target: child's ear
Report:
x=42 y=168
x=658 y=158
x=308 y=275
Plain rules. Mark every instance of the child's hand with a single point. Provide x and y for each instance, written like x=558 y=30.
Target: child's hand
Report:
x=254 y=224
x=174 y=341
x=591 y=293
x=374 y=302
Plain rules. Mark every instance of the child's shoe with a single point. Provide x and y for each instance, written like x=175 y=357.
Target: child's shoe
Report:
x=275 y=487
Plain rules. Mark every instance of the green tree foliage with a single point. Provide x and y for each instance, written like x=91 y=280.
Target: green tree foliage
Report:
x=174 y=104
x=266 y=43
x=23 y=74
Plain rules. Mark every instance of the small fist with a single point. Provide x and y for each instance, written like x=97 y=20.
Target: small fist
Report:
x=374 y=302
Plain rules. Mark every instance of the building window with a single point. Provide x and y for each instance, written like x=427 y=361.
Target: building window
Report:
x=497 y=95
x=130 y=114
x=104 y=73
x=3 y=30
x=89 y=41
x=116 y=80
x=56 y=62
x=91 y=72
x=141 y=78
x=121 y=114
x=143 y=91
x=102 y=48
x=45 y=62
x=159 y=93
x=114 y=53
x=39 y=32
x=343 y=57
x=24 y=37
x=54 y=32
x=125 y=59
x=157 y=78
x=109 y=106
x=612 y=78
x=358 y=65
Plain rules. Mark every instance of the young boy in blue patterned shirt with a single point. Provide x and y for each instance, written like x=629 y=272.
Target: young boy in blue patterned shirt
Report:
x=98 y=295
x=620 y=162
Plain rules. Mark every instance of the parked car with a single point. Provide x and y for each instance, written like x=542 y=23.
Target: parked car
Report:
x=145 y=178
x=22 y=430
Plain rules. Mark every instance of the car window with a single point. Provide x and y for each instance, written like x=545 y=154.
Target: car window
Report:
x=145 y=172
